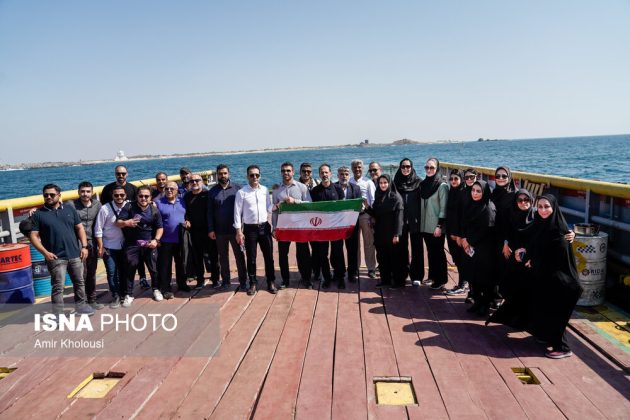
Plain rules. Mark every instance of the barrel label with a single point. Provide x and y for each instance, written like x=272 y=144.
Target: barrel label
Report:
x=593 y=271
x=11 y=259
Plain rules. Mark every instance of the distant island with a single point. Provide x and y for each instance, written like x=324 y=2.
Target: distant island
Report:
x=117 y=158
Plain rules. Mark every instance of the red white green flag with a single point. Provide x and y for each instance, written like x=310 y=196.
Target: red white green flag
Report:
x=318 y=221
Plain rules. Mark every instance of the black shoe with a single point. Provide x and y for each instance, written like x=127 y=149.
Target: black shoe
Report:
x=352 y=279
x=284 y=284
x=271 y=287
x=200 y=284
x=252 y=290
x=183 y=288
x=309 y=286
x=167 y=295
x=325 y=284
x=341 y=284
x=383 y=284
x=372 y=274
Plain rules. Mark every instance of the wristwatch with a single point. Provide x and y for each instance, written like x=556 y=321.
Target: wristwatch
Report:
x=85 y=247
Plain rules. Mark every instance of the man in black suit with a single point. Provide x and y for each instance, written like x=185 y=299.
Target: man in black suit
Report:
x=352 y=243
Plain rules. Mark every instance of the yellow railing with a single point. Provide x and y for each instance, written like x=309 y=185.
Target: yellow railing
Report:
x=38 y=200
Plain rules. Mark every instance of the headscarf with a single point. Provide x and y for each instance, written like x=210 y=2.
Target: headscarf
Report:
x=406 y=183
x=556 y=223
x=455 y=194
x=430 y=184
x=476 y=209
x=501 y=196
x=388 y=200
x=518 y=218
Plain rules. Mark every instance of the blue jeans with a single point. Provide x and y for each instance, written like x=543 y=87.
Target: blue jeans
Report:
x=113 y=259
x=57 y=270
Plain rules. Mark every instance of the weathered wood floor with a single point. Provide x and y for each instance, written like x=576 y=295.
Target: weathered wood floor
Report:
x=313 y=354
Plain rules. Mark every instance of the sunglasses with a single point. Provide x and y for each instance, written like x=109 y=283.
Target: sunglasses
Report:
x=286 y=171
x=501 y=176
x=523 y=200
x=118 y=195
x=51 y=195
x=254 y=175
x=426 y=168
x=373 y=170
x=470 y=177
x=170 y=189
x=195 y=180
x=143 y=196
x=305 y=171
x=454 y=178
x=405 y=166
x=121 y=173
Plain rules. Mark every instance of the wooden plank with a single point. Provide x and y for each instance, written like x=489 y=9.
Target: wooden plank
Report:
x=447 y=372
x=206 y=392
x=349 y=386
x=239 y=398
x=176 y=385
x=315 y=393
x=380 y=358
x=411 y=358
x=279 y=394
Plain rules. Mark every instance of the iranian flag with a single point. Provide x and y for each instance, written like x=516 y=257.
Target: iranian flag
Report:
x=319 y=221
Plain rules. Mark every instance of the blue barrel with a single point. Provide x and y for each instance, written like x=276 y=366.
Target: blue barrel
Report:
x=40 y=270
x=35 y=254
x=17 y=286
x=42 y=287
x=68 y=280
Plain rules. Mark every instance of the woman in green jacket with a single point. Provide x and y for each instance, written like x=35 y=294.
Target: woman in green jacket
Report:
x=433 y=197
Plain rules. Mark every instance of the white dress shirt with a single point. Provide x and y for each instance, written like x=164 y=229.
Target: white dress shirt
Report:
x=105 y=226
x=367 y=188
x=251 y=206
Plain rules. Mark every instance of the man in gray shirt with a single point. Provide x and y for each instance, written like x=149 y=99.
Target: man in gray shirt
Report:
x=291 y=191
x=88 y=209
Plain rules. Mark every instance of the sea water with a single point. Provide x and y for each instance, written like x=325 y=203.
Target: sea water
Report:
x=604 y=158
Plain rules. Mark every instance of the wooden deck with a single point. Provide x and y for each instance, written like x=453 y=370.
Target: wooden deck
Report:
x=313 y=354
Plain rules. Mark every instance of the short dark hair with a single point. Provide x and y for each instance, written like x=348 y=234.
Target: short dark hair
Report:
x=286 y=164
x=185 y=170
x=119 y=187
x=322 y=165
x=161 y=173
x=144 y=187
x=86 y=184
x=222 y=166
x=305 y=165
x=119 y=166
x=50 y=187
x=250 y=167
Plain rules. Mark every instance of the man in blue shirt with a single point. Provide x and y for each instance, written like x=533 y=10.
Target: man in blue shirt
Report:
x=56 y=229
x=173 y=213
x=220 y=220
x=141 y=224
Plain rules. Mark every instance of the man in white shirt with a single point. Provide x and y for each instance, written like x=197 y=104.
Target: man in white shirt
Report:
x=109 y=241
x=251 y=207
x=365 y=220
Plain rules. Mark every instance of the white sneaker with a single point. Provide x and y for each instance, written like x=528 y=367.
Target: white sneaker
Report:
x=417 y=283
x=157 y=295
x=127 y=302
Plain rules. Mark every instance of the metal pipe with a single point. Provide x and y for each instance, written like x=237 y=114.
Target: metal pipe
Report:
x=611 y=223
x=572 y=212
x=619 y=256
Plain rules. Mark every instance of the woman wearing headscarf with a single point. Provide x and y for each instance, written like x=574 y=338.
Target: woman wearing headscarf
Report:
x=453 y=231
x=516 y=288
x=553 y=276
x=407 y=183
x=470 y=176
x=503 y=198
x=433 y=200
x=478 y=243
x=387 y=209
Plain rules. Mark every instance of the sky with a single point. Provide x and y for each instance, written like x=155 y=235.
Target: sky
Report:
x=80 y=80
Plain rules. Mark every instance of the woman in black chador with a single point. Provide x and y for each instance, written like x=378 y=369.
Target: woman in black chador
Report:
x=503 y=198
x=456 y=185
x=407 y=182
x=388 y=210
x=553 y=277
x=478 y=242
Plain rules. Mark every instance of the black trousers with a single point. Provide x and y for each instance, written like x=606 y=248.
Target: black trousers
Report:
x=205 y=247
x=352 y=252
x=134 y=257
x=315 y=260
x=223 y=248
x=388 y=259
x=437 y=258
x=167 y=252
x=415 y=268
x=259 y=235
x=89 y=273
x=303 y=256
x=336 y=259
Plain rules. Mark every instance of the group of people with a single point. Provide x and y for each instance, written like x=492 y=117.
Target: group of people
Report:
x=508 y=246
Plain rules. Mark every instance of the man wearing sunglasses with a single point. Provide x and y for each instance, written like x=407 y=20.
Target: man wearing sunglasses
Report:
x=251 y=207
x=291 y=191
x=121 y=181
x=141 y=224
x=88 y=208
x=58 y=233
